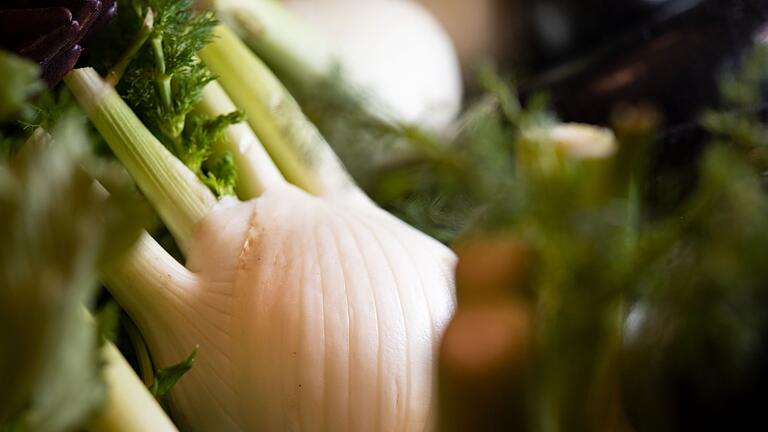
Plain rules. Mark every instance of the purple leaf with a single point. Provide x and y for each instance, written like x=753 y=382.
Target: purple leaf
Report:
x=52 y=32
x=60 y=65
x=21 y=27
x=108 y=11
x=50 y=44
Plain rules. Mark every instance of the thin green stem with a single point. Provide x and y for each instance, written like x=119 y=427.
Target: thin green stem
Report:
x=163 y=81
x=255 y=170
x=117 y=71
x=174 y=191
x=293 y=142
x=300 y=56
x=150 y=285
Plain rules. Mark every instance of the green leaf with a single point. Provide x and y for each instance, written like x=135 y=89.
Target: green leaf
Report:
x=739 y=121
x=19 y=80
x=56 y=228
x=164 y=80
x=166 y=378
x=221 y=177
x=18 y=83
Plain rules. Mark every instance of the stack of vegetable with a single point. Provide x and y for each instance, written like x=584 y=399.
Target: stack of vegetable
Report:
x=265 y=290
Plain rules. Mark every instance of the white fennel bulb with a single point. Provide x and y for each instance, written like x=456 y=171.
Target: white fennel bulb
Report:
x=310 y=314
x=396 y=50
x=393 y=52
x=312 y=311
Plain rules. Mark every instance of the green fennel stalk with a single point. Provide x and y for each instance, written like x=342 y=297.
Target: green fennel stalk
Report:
x=279 y=38
x=176 y=193
x=293 y=142
x=129 y=406
x=256 y=171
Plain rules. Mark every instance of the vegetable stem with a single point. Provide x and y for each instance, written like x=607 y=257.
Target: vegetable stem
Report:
x=147 y=282
x=143 y=359
x=293 y=142
x=256 y=171
x=163 y=80
x=129 y=406
x=117 y=71
x=174 y=191
x=299 y=55
x=279 y=38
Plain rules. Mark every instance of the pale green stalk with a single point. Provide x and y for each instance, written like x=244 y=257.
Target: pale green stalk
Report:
x=146 y=281
x=129 y=407
x=174 y=191
x=301 y=56
x=255 y=170
x=293 y=142
x=145 y=369
x=283 y=41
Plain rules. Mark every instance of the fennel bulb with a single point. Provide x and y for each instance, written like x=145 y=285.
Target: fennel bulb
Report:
x=393 y=52
x=311 y=314
x=313 y=309
x=396 y=50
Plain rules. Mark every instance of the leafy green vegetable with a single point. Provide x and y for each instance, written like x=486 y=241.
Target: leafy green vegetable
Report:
x=739 y=121
x=57 y=228
x=18 y=82
x=695 y=336
x=163 y=80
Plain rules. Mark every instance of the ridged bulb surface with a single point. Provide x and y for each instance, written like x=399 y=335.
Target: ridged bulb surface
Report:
x=311 y=315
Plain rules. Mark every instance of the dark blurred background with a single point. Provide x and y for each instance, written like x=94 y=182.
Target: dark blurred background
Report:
x=594 y=56
x=592 y=53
